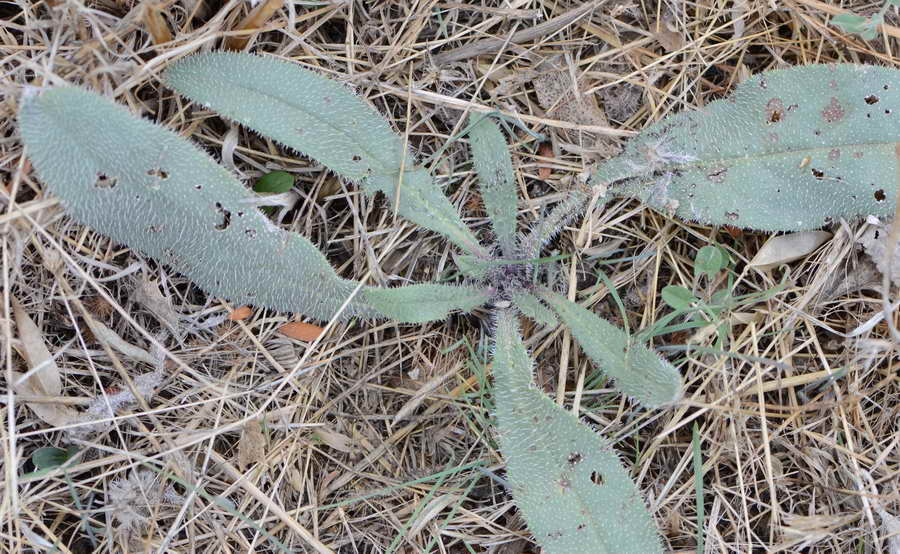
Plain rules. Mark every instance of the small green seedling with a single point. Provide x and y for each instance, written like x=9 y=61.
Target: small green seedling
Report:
x=50 y=457
x=865 y=27
x=274 y=182
x=804 y=146
x=693 y=309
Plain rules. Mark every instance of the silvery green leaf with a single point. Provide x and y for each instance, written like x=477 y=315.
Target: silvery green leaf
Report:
x=425 y=302
x=790 y=149
x=147 y=187
x=493 y=164
x=566 y=480
x=531 y=306
x=637 y=371
x=324 y=120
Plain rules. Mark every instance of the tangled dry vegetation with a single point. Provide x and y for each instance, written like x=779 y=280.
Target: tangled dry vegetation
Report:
x=199 y=432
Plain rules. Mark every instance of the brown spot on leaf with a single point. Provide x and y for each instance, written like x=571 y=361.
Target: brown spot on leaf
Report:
x=732 y=216
x=773 y=137
x=834 y=154
x=857 y=155
x=774 y=111
x=871 y=99
x=818 y=173
x=833 y=112
x=880 y=196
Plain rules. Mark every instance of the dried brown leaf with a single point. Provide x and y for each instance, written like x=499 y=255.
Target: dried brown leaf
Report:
x=431 y=511
x=109 y=337
x=156 y=24
x=148 y=295
x=254 y=20
x=875 y=243
x=420 y=396
x=545 y=151
x=667 y=37
x=788 y=248
x=46 y=380
x=252 y=445
x=338 y=441
x=562 y=98
x=240 y=313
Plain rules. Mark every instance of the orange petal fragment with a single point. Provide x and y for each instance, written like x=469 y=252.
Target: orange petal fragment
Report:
x=545 y=151
x=241 y=313
x=301 y=331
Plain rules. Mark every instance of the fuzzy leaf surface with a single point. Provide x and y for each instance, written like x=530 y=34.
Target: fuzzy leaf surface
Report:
x=424 y=203
x=425 y=302
x=531 y=306
x=791 y=149
x=322 y=119
x=145 y=186
x=314 y=115
x=567 y=480
x=638 y=371
x=493 y=164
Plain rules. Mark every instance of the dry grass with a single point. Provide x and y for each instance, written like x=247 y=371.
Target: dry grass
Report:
x=378 y=438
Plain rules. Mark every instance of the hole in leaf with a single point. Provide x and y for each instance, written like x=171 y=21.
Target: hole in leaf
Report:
x=887 y=112
x=717 y=175
x=356 y=158
x=158 y=173
x=251 y=233
x=105 y=182
x=574 y=458
x=828 y=220
x=198 y=187
x=732 y=216
x=880 y=196
x=581 y=527
x=226 y=217
x=818 y=174
x=154 y=228
x=774 y=111
x=871 y=99
x=885 y=87
x=596 y=478
x=240 y=214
